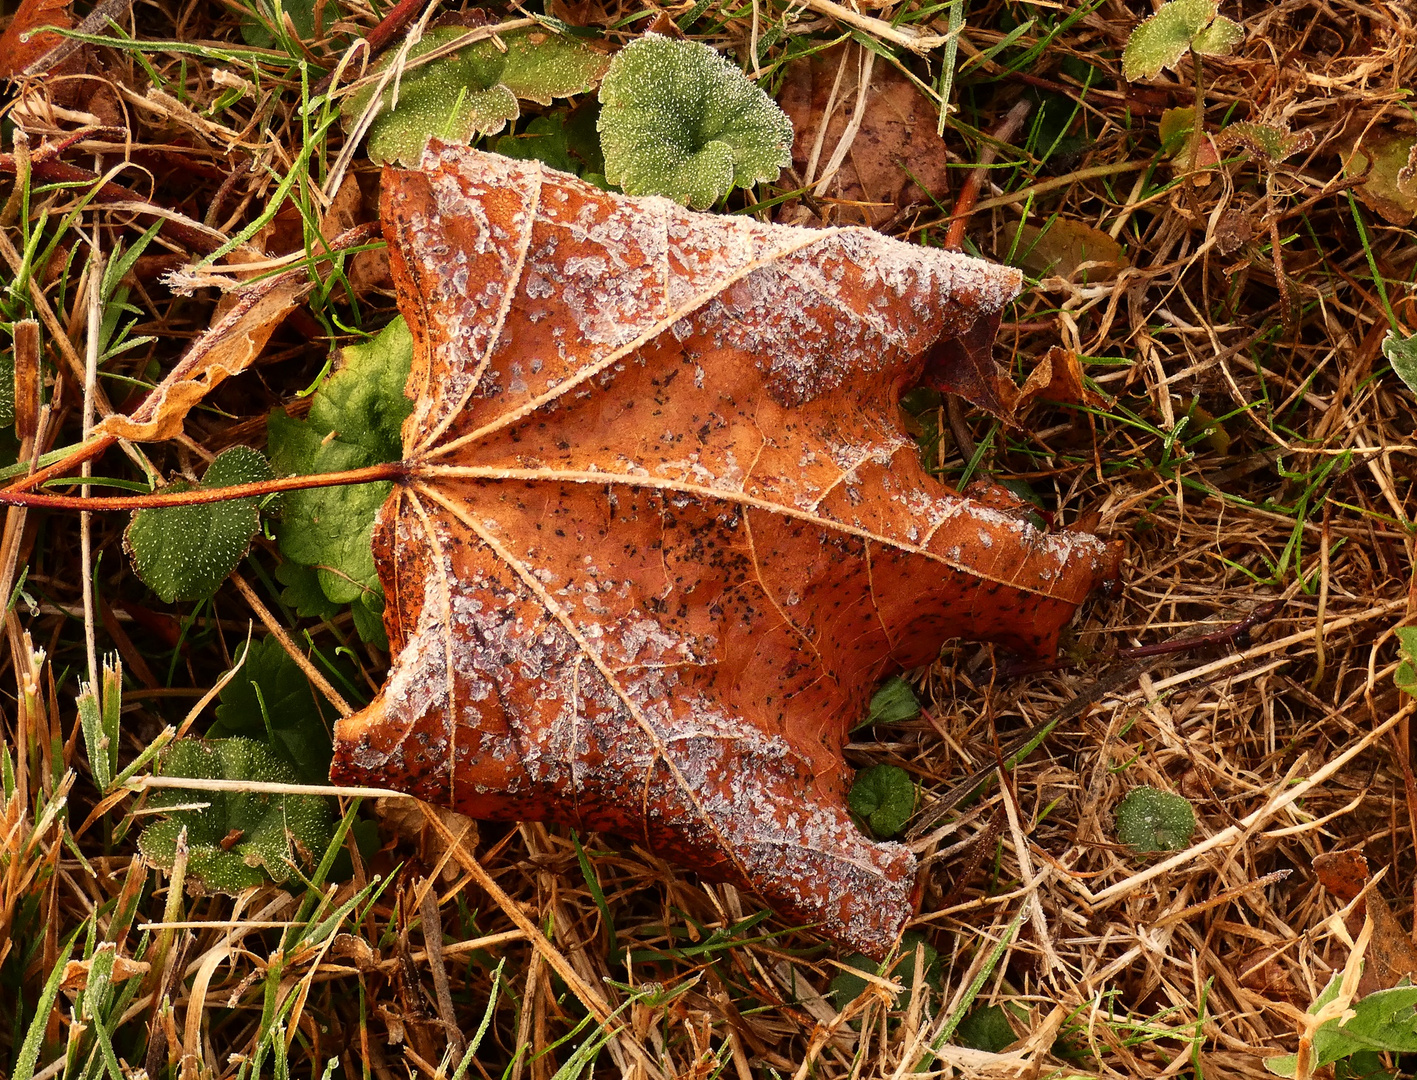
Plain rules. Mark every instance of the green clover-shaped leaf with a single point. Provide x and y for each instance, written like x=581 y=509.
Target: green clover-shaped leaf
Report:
x=847 y=986
x=355 y=420
x=239 y=839
x=473 y=91
x=1177 y=27
x=677 y=119
x=271 y=699
x=1406 y=674
x=1150 y=819
x=186 y=552
x=884 y=796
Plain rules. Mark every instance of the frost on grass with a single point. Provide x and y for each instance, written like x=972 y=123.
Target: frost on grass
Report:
x=679 y=120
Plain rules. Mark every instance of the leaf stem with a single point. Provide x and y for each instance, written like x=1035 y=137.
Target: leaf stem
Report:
x=389 y=470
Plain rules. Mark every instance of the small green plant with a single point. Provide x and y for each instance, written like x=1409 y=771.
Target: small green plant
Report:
x=99 y=721
x=1401 y=353
x=987 y=1028
x=1406 y=675
x=1383 y=1022
x=679 y=120
x=847 y=986
x=186 y=552
x=560 y=140
x=884 y=798
x=354 y=420
x=235 y=839
x=893 y=703
x=1178 y=27
x=1150 y=820
x=472 y=92
x=271 y=700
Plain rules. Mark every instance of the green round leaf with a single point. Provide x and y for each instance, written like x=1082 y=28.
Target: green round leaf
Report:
x=679 y=120
x=1219 y=38
x=1150 y=819
x=238 y=839
x=885 y=797
x=186 y=552
x=1164 y=38
x=473 y=91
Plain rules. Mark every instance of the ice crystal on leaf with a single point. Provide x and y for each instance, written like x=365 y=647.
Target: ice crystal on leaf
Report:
x=662 y=532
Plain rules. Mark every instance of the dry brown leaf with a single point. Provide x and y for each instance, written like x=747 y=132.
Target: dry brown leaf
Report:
x=1391 y=955
x=1062 y=247
x=17 y=52
x=1385 y=161
x=225 y=350
x=897 y=138
x=662 y=532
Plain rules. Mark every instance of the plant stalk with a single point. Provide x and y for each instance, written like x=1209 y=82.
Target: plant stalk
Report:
x=389 y=470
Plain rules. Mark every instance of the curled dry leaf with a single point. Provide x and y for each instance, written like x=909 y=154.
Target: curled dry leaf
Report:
x=662 y=532
x=226 y=349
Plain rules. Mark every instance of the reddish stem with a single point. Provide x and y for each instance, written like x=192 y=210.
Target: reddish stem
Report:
x=390 y=470
x=969 y=192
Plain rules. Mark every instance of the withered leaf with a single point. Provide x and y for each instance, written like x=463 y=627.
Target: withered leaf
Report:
x=662 y=531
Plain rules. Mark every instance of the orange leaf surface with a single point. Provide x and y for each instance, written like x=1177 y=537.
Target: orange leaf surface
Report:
x=663 y=531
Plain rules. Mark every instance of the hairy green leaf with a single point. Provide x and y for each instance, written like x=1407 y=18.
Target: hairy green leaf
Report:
x=271 y=699
x=1177 y=27
x=1406 y=675
x=354 y=420
x=893 y=702
x=884 y=796
x=99 y=711
x=1150 y=819
x=1382 y=1022
x=239 y=839
x=679 y=120
x=472 y=91
x=1219 y=38
x=1401 y=353
x=186 y=552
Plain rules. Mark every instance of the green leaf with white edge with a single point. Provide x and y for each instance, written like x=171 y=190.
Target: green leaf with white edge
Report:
x=355 y=420
x=240 y=838
x=271 y=699
x=1401 y=353
x=99 y=712
x=1219 y=38
x=893 y=703
x=1163 y=39
x=1150 y=819
x=884 y=796
x=186 y=552
x=1384 y=1021
x=1405 y=678
x=470 y=92
x=679 y=120
x=541 y=66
